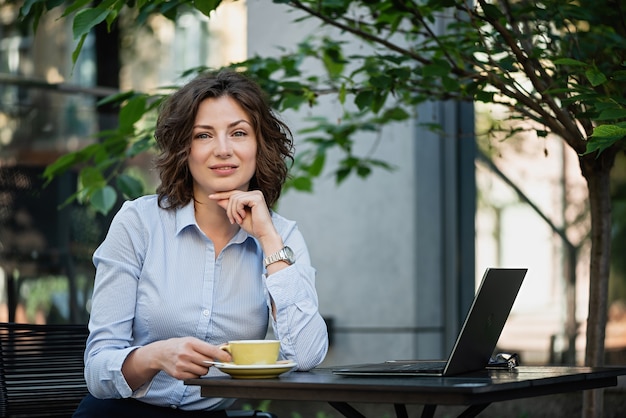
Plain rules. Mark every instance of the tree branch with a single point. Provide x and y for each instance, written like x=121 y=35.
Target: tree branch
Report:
x=359 y=33
x=561 y=121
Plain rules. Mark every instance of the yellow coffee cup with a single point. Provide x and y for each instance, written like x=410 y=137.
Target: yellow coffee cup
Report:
x=253 y=352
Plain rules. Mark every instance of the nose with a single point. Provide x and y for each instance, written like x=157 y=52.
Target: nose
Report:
x=223 y=146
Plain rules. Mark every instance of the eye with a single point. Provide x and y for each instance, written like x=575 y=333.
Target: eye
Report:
x=203 y=136
x=240 y=133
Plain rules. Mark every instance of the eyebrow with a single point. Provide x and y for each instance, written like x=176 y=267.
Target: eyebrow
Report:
x=230 y=125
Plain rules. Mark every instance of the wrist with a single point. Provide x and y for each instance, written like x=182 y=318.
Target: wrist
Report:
x=271 y=244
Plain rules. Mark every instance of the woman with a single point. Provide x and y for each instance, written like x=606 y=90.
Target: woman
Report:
x=202 y=262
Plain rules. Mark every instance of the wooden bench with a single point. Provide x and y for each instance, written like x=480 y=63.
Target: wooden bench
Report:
x=41 y=371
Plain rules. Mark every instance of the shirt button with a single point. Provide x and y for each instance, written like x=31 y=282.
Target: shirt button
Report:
x=206 y=312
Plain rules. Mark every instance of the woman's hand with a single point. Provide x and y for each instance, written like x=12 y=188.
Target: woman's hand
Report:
x=248 y=210
x=184 y=358
x=181 y=358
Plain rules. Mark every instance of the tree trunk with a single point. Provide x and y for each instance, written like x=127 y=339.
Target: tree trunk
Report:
x=596 y=170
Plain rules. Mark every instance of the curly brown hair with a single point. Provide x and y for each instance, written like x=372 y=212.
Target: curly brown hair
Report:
x=174 y=129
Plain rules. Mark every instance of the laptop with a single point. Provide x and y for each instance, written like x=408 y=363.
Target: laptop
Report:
x=475 y=343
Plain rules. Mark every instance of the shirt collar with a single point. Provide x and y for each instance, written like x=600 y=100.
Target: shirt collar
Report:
x=186 y=216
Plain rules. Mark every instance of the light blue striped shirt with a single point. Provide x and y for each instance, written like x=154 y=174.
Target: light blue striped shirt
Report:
x=157 y=277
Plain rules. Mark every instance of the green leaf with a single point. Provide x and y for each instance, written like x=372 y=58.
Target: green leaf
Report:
x=74 y=6
x=117 y=98
x=169 y=9
x=292 y=101
x=315 y=169
x=206 y=6
x=508 y=63
x=381 y=81
x=570 y=62
x=492 y=11
x=444 y=3
x=333 y=60
x=382 y=164
x=612 y=114
x=91 y=178
x=378 y=102
x=609 y=132
x=484 y=96
x=363 y=171
x=113 y=147
x=144 y=143
x=450 y=84
x=25 y=9
x=304 y=184
x=342 y=93
x=397 y=113
x=103 y=199
x=436 y=69
x=130 y=187
x=78 y=48
x=341 y=174
x=61 y=165
x=132 y=112
x=603 y=137
x=86 y=19
x=599 y=145
x=595 y=77
x=364 y=99
x=67 y=161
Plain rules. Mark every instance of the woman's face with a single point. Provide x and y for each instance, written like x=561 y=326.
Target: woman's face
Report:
x=223 y=148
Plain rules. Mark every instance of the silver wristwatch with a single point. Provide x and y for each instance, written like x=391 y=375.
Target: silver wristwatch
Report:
x=285 y=254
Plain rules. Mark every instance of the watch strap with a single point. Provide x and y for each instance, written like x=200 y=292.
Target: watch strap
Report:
x=281 y=255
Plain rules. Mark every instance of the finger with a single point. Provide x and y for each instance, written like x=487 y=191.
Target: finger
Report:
x=212 y=351
x=232 y=210
x=200 y=370
x=190 y=368
x=238 y=203
x=243 y=207
x=223 y=356
x=222 y=195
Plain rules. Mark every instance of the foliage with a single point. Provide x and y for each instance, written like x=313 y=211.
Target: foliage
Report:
x=559 y=63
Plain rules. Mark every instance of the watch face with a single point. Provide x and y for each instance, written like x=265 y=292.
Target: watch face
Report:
x=291 y=257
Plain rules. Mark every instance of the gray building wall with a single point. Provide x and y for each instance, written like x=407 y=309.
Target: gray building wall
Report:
x=395 y=251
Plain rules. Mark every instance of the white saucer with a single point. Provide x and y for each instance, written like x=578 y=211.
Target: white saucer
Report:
x=254 y=371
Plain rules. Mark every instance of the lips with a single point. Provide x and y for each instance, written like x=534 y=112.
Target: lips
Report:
x=223 y=168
